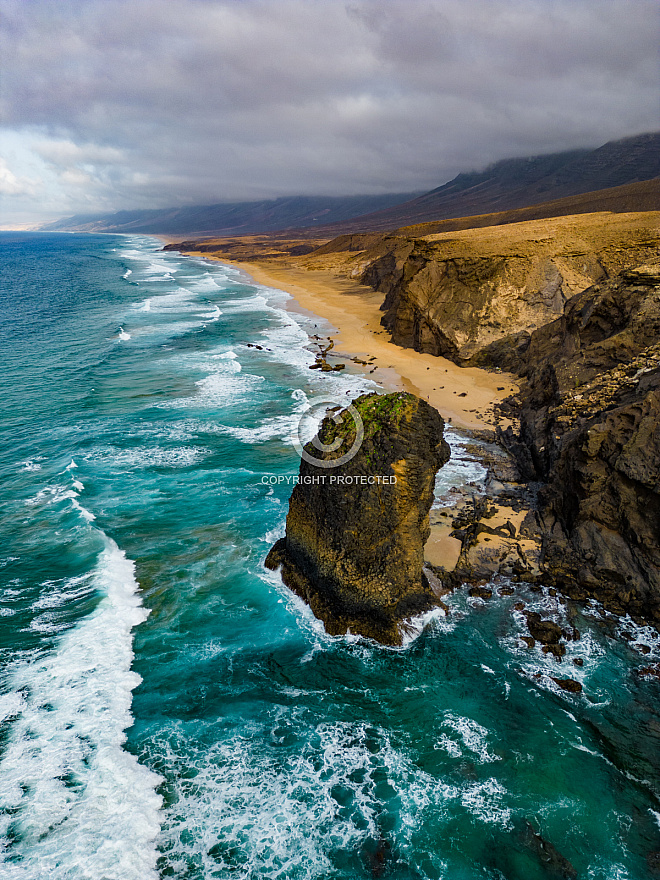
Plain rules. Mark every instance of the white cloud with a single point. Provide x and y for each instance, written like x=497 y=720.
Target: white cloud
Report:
x=66 y=153
x=11 y=185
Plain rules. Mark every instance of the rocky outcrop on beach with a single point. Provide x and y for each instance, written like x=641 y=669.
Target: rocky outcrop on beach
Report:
x=476 y=298
x=355 y=532
x=589 y=433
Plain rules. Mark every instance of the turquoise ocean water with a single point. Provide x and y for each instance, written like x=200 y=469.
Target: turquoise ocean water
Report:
x=168 y=709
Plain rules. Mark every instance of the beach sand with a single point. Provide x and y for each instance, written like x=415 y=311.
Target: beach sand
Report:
x=463 y=396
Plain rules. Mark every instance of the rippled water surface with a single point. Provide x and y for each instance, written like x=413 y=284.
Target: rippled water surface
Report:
x=168 y=709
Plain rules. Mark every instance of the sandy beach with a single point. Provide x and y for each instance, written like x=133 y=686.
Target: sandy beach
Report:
x=464 y=396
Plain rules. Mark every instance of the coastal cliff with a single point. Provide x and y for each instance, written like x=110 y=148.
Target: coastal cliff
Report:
x=355 y=533
x=476 y=297
x=590 y=432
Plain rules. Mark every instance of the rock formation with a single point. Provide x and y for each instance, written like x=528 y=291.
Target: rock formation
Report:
x=476 y=297
x=590 y=433
x=355 y=533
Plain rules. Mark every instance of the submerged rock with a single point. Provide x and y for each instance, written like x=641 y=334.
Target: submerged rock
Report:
x=557 y=865
x=355 y=532
x=568 y=684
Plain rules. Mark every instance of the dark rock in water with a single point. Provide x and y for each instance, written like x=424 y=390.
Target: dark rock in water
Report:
x=378 y=855
x=572 y=634
x=568 y=684
x=480 y=592
x=557 y=651
x=545 y=631
x=590 y=432
x=557 y=865
x=578 y=661
x=355 y=533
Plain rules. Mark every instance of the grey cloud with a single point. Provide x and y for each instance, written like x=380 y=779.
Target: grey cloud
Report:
x=150 y=102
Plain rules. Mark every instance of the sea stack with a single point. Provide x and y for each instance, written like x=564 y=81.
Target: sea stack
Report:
x=357 y=524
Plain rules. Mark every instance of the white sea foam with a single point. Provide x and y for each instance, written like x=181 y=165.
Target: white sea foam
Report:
x=60 y=593
x=219 y=389
x=463 y=469
x=181 y=431
x=484 y=800
x=177 y=301
x=127 y=273
x=230 y=362
x=277 y=427
x=206 y=283
x=7 y=560
x=157 y=269
x=255 y=303
x=123 y=335
x=213 y=315
x=413 y=627
x=542 y=668
x=474 y=738
x=244 y=812
x=284 y=427
x=76 y=803
x=143 y=457
x=31 y=465
x=55 y=494
x=88 y=515
x=274 y=534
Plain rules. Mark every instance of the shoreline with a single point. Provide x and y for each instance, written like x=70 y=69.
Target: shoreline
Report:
x=464 y=396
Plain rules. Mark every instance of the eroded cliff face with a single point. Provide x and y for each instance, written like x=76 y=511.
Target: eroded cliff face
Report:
x=476 y=297
x=355 y=533
x=590 y=431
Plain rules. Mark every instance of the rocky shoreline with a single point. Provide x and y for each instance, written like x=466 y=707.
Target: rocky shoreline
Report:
x=589 y=409
x=575 y=510
x=572 y=308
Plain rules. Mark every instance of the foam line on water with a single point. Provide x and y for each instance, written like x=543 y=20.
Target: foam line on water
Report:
x=75 y=803
x=141 y=457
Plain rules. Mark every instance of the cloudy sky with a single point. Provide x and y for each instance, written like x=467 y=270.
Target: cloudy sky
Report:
x=110 y=104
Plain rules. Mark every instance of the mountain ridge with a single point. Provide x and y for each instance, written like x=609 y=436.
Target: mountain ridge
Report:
x=231 y=218
x=509 y=184
x=512 y=184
